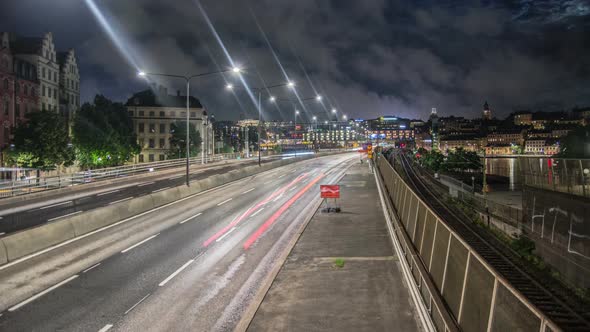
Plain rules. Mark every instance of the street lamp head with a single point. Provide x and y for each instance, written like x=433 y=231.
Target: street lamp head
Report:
x=344 y=117
x=318 y=98
x=236 y=70
x=297 y=112
x=325 y=122
x=229 y=87
x=141 y=73
x=272 y=99
x=334 y=110
x=291 y=84
x=315 y=118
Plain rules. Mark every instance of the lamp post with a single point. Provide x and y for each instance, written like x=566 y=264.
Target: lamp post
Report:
x=259 y=91
x=188 y=79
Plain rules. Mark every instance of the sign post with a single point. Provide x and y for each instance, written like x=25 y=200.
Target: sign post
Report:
x=328 y=191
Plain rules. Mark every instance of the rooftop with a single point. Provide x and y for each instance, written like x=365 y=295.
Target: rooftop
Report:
x=148 y=98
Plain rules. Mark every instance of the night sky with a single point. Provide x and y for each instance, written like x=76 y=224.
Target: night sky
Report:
x=368 y=58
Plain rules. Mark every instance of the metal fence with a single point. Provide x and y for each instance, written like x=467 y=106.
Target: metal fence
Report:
x=570 y=176
x=27 y=186
x=476 y=296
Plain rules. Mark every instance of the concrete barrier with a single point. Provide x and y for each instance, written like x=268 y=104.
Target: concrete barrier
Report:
x=24 y=243
x=35 y=239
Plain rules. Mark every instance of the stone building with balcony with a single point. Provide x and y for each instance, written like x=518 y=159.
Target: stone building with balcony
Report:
x=153 y=114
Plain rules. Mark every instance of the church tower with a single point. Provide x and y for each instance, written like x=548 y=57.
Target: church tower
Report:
x=487 y=114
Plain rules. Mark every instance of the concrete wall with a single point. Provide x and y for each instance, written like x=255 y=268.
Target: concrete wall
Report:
x=17 y=245
x=559 y=224
x=462 y=290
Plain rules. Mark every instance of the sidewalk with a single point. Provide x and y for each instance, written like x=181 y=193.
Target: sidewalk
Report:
x=367 y=293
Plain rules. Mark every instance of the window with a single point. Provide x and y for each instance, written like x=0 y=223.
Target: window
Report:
x=193 y=114
x=183 y=114
x=55 y=93
x=172 y=114
x=43 y=106
x=162 y=128
x=130 y=113
x=6 y=108
x=141 y=158
x=17 y=88
x=152 y=127
x=49 y=92
x=151 y=157
x=5 y=84
x=140 y=127
x=162 y=157
x=141 y=143
x=151 y=113
x=43 y=72
x=26 y=90
x=151 y=144
x=162 y=114
x=43 y=90
x=33 y=92
x=141 y=113
x=17 y=110
x=162 y=143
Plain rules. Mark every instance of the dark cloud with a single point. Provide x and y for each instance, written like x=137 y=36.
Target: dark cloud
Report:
x=368 y=57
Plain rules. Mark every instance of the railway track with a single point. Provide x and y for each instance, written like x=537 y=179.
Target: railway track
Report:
x=551 y=299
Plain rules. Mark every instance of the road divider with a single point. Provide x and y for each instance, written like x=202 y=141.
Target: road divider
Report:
x=34 y=241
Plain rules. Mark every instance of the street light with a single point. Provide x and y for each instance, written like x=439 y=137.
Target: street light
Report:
x=344 y=117
x=187 y=80
x=318 y=98
x=272 y=99
x=334 y=110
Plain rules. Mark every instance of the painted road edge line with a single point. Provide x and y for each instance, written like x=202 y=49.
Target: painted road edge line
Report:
x=106 y=328
x=108 y=192
x=247 y=191
x=90 y=268
x=65 y=215
x=175 y=273
x=38 y=295
x=136 y=304
x=121 y=200
x=54 y=205
x=139 y=243
x=189 y=218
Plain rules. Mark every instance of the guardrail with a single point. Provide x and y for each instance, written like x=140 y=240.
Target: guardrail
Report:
x=461 y=289
x=23 y=187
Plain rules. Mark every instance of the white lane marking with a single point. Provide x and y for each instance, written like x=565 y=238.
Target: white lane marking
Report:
x=278 y=197
x=36 y=296
x=106 y=328
x=176 y=177
x=121 y=200
x=189 y=218
x=65 y=215
x=175 y=273
x=161 y=189
x=139 y=243
x=108 y=192
x=267 y=182
x=257 y=212
x=247 y=191
x=90 y=268
x=227 y=200
x=145 y=184
x=295 y=187
x=54 y=205
x=136 y=304
x=282 y=176
x=226 y=234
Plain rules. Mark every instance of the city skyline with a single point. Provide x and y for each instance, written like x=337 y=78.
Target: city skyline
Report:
x=368 y=59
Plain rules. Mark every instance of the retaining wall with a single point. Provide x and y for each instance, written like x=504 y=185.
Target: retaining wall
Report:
x=462 y=291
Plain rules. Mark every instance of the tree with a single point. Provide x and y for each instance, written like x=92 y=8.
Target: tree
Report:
x=178 y=139
x=576 y=144
x=42 y=142
x=103 y=134
x=433 y=160
x=461 y=160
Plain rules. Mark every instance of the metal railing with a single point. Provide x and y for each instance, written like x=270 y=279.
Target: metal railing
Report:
x=27 y=186
x=570 y=176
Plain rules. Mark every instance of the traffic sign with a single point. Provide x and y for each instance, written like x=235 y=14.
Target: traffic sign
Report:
x=330 y=191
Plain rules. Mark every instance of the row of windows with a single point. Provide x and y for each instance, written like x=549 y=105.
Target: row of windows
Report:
x=17 y=88
x=17 y=109
x=72 y=84
x=161 y=114
x=151 y=157
x=152 y=143
x=152 y=128
x=51 y=75
x=49 y=90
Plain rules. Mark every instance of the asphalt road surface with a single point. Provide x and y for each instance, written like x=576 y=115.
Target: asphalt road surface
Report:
x=191 y=266
x=13 y=222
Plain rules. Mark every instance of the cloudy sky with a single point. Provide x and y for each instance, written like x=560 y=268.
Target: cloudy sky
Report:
x=368 y=58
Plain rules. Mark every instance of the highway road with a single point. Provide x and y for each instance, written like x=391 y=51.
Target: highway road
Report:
x=92 y=198
x=191 y=266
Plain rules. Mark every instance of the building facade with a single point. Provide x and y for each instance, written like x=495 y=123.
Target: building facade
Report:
x=465 y=142
x=155 y=113
x=69 y=86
